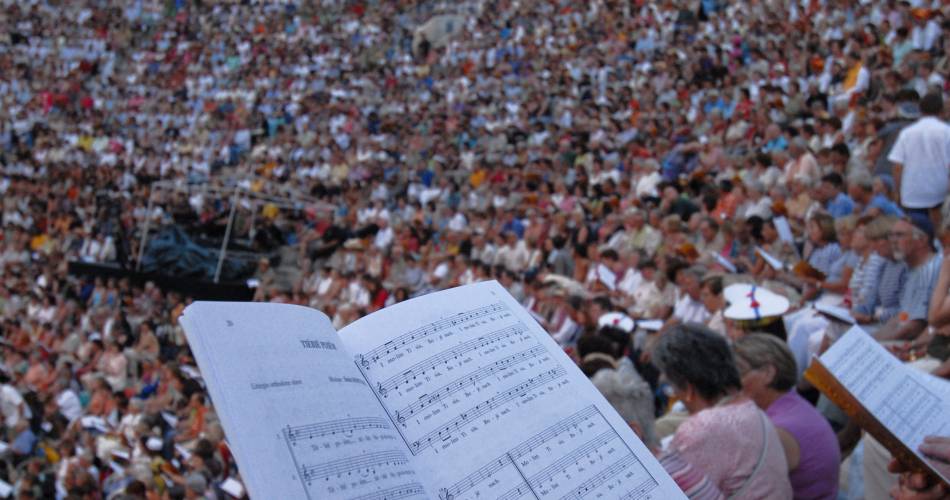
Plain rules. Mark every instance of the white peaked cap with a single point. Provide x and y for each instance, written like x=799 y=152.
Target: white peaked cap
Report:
x=154 y=443
x=616 y=320
x=752 y=302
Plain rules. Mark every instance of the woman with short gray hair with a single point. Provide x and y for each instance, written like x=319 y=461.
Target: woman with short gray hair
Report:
x=726 y=435
x=769 y=375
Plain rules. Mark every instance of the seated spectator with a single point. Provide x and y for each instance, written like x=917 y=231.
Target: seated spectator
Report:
x=726 y=435
x=825 y=250
x=912 y=243
x=867 y=268
x=714 y=302
x=879 y=299
x=861 y=190
x=831 y=193
x=603 y=359
x=769 y=378
x=708 y=240
x=835 y=285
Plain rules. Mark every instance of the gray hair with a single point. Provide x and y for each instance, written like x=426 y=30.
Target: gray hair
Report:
x=862 y=180
x=759 y=350
x=879 y=227
x=691 y=354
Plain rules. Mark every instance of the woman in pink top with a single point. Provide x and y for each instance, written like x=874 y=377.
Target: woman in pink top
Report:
x=726 y=435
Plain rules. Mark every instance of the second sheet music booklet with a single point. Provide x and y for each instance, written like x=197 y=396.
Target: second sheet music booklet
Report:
x=456 y=395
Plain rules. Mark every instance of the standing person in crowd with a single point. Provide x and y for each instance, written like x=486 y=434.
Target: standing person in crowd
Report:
x=921 y=158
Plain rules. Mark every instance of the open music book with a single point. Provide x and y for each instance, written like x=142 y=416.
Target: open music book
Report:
x=893 y=402
x=458 y=394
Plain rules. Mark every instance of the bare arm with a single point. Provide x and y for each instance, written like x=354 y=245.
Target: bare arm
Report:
x=894 y=330
x=898 y=169
x=791 y=448
x=840 y=286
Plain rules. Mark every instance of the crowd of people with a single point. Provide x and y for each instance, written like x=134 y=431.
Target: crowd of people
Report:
x=670 y=187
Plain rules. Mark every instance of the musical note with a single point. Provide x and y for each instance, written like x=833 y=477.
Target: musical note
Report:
x=365 y=463
x=484 y=407
x=333 y=427
x=604 y=475
x=421 y=333
x=641 y=490
x=470 y=379
x=470 y=481
x=559 y=465
x=583 y=436
x=395 y=493
x=552 y=432
x=444 y=357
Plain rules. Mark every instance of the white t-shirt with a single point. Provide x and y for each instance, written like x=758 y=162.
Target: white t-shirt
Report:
x=69 y=404
x=10 y=402
x=923 y=148
x=689 y=310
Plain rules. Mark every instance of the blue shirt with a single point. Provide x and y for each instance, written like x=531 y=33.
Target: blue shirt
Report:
x=823 y=258
x=915 y=297
x=841 y=206
x=886 y=206
x=887 y=285
x=847 y=259
x=777 y=144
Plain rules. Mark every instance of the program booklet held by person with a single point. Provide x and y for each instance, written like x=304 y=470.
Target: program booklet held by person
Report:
x=458 y=394
x=895 y=403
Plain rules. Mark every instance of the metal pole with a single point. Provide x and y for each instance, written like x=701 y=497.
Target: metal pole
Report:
x=251 y=231
x=148 y=222
x=227 y=236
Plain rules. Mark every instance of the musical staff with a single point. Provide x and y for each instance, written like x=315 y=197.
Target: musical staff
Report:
x=554 y=431
x=342 y=426
x=583 y=455
x=348 y=466
x=371 y=357
x=641 y=490
x=558 y=466
x=517 y=492
x=456 y=385
x=484 y=407
x=484 y=473
x=605 y=475
x=444 y=357
x=395 y=493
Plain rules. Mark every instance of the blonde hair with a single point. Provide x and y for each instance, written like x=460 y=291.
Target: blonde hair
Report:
x=845 y=224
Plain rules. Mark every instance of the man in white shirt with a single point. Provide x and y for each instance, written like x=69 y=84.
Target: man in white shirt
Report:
x=689 y=307
x=921 y=158
x=11 y=403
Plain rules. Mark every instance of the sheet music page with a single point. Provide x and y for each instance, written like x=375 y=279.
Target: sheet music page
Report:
x=784 y=230
x=910 y=404
x=296 y=411
x=770 y=259
x=490 y=407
